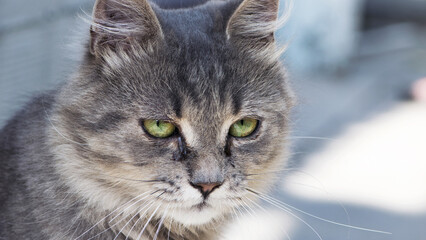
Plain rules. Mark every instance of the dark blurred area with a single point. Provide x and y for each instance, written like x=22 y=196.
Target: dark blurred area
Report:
x=378 y=13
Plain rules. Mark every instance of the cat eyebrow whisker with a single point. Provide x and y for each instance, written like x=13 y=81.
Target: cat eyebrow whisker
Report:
x=288 y=208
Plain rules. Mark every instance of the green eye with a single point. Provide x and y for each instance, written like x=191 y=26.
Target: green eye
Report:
x=243 y=128
x=159 y=128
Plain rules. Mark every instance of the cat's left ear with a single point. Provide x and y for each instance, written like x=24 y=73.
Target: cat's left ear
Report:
x=119 y=24
x=253 y=24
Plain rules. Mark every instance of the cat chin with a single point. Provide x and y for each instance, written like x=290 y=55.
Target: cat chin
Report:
x=196 y=216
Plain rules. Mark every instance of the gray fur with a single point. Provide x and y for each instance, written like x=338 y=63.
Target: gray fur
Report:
x=76 y=154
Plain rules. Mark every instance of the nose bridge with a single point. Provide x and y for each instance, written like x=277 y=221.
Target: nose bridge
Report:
x=207 y=168
x=200 y=133
x=206 y=164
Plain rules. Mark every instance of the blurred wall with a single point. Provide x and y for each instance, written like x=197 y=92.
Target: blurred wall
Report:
x=322 y=34
x=34 y=36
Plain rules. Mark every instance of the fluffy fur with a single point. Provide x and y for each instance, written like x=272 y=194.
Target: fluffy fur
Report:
x=76 y=163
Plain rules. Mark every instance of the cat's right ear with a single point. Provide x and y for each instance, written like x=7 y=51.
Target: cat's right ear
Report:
x=118 y=25
x=253 y=24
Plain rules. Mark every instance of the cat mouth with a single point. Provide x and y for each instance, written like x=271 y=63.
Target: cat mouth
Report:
x=201 y=206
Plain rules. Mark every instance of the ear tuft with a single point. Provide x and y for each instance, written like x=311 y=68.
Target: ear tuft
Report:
x=119 y=24
x=253 y=24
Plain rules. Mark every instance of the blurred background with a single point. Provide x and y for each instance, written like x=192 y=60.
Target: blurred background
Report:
x=359 y=139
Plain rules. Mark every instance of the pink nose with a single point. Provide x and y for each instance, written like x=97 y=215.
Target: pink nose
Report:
x=206 y=188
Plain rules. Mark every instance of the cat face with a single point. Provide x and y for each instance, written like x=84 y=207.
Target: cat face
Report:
x=152 y=115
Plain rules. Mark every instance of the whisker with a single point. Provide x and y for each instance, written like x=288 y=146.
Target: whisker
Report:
x=121 y=230
x=115 y=224
x=146 y=224
x=282 y=204
x=235 y=215
x=296 y=153
x=100 y=221
x=246 y=209
x=312 y=138
x=267 y=198
x=323 y=188
x=264 y=210
x=161 y=222
x=134 y=180
x=237 y=208
x=152 y=202
x=75 y=230
x=124 y=216
x=270 y=172
x=294 y=215
x=171 y=223
x=131 y=206
x=256 y=204
x=258 y=180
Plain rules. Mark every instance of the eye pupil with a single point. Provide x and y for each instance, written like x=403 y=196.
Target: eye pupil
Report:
x=158 y=128
x=243 y=127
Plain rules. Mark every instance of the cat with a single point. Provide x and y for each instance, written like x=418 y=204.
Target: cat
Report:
x=173 y=118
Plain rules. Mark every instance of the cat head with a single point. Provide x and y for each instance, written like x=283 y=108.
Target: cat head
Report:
x=185 y=109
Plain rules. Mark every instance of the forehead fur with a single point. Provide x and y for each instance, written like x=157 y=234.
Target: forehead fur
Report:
x=194 y=73
x=195 y=66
